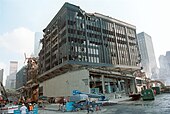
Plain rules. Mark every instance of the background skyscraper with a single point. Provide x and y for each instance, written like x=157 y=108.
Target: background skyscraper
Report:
x=37 y=44
x=164 y=71
x=13 y=67
x=1 y=74
x=21 y=77
x=11 y=79
x=148 y=60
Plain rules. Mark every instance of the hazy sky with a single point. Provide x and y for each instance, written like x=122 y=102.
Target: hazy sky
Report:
x=20 y=19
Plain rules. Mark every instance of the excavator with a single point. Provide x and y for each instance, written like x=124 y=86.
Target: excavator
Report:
x=3 y=96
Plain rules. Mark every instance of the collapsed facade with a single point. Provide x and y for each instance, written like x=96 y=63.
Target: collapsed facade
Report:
x=89 y=52
x=27 y=83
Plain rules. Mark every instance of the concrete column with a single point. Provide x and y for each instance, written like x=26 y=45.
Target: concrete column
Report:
x=133 y=85
x=109 y=87
x=103 y=84
x=127 y=89
x=119 y=86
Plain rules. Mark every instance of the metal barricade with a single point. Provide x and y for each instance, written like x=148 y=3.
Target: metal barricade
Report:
x=35 y=111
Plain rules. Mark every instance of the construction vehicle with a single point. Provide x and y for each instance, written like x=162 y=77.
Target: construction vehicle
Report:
x=79 y=100
x=3 y=96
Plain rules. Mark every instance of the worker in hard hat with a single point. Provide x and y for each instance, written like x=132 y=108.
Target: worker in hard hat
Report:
x=30 y=108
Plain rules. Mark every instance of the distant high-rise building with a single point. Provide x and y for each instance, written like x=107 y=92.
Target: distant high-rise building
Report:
x=148 y=60
x=21 y=77
x=164 y=72
x=37 y=45
x=1 y=75
x=11 y=79
x=13 y=67
x=168 y=58
x=162 y=61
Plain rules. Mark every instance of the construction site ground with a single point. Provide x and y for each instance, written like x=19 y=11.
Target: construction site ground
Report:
x=160 y=105
x=54 y=108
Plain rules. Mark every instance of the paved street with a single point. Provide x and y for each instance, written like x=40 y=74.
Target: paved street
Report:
x=161 y=105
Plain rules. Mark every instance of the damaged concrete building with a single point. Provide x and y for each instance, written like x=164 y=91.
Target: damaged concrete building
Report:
x=89 y=52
